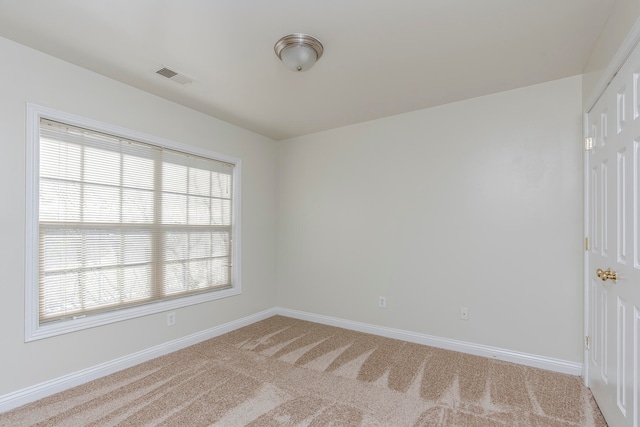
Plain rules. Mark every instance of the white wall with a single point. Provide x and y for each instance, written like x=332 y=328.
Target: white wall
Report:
x=30 y=76
x=476 y=203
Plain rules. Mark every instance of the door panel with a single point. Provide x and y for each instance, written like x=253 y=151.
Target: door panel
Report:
x=613 y=213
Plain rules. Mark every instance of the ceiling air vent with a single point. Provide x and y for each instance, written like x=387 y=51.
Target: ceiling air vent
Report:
x=174 y=75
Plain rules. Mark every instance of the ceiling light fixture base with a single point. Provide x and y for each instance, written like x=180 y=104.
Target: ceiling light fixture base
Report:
x=298 y=52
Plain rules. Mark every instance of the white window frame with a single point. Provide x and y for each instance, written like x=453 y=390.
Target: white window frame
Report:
x=33 y=329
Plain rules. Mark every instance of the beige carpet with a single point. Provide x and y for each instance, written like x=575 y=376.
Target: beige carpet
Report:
x=287 y=372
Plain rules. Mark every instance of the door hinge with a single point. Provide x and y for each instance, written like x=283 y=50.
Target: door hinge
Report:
x=588 y=144
x=587 y=344
x=586 y=243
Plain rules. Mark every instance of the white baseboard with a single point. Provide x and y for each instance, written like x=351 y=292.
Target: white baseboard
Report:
x=47 y=388
x=542 y=362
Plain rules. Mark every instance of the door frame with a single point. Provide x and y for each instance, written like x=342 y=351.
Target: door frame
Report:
x=631 y=41
x=586 y=219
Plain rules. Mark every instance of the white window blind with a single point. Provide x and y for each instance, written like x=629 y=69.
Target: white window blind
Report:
x=124 y=223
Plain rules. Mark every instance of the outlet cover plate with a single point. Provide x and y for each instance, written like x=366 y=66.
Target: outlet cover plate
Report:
x=171 y=318
x=382 y=302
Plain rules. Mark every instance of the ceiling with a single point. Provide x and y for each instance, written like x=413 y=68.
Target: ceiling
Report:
x=382 y=57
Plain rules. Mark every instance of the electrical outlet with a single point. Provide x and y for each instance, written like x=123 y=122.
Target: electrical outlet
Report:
x=464 y=313
x=171 y=318
x=382 y=302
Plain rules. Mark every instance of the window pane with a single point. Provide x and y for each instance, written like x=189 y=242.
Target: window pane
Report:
x=101 y=204
x=59 y=201
x=220 y=271
x=60 y=249
x=220 y=185
x=220 y=244
x=137 y=172
x=60 y=294
x=199 y=211
x=100 y=288
x=138 y=283
x=101 y=166
x=60 y=160
x=174 y=178
x=176 y=246
x=137 y=247
x=199 y=182
x=174 y=278
x=198 y=277
x=196 y=245
x=137 y=206
x=220 y=212
x=200 y=245
x=195 y=275
x=102 y=248
x=174 y=209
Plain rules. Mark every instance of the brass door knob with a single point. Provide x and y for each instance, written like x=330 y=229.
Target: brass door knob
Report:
x=606 y=274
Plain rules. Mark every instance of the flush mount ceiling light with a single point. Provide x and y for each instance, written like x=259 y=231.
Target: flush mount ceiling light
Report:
x=298 y=52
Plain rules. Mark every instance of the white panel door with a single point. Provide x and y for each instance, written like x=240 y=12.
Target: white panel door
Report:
x=613 y=195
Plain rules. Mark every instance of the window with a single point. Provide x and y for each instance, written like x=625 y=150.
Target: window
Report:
x=123 y=224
